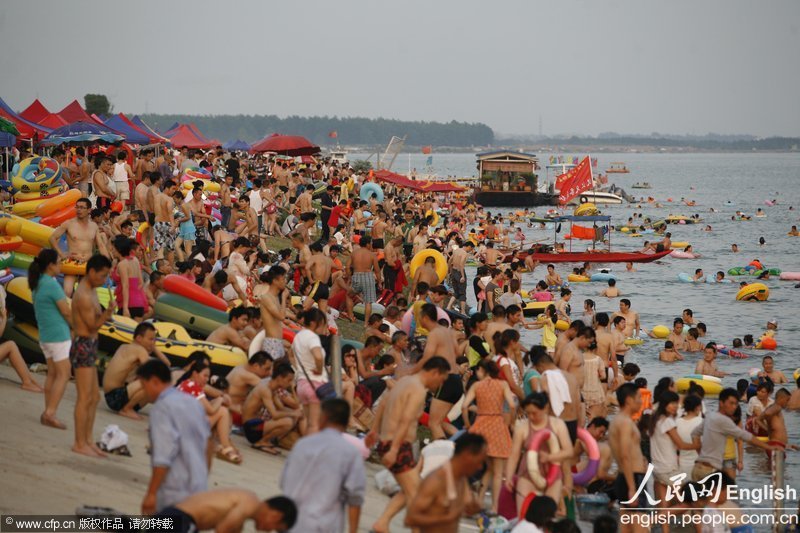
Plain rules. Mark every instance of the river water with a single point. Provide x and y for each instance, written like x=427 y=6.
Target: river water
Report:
x=747 y=179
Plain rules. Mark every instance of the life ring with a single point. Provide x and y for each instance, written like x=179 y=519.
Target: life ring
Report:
x=532 y=459
x=753 y=292
x=208 y=185
x=419 y=259
x=712 y=388
x=434 y=217
x=585 y=209
x=10 y=243
x=575 y=278
x=583 y=477
x=35 y=174
x=59 y=187
x=370 y=188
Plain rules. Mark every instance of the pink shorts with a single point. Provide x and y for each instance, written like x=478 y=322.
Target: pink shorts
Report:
x=307 y=392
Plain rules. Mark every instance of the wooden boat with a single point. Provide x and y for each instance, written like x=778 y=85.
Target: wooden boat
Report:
x=595 y=257
x=617 y=167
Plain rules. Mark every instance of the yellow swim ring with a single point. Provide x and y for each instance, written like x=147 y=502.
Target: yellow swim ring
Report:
x=441 y=263
x=434 y=214
x=209 y=186
x=575 y=278
x=585 y=210
x=753 y=292
x=712 y=388
x=679 y=244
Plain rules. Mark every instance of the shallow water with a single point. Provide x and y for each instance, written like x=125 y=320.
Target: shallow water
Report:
x=746 y=179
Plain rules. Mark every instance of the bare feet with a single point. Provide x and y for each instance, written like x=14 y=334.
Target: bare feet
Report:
x=87 y=451
x=31 y=387
x=97 y=450
x=52 y=422
x=130 y=414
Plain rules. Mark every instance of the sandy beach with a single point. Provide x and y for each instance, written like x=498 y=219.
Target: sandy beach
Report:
x=40 y=475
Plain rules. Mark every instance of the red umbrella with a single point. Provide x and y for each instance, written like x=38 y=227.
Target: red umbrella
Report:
x=292 y=145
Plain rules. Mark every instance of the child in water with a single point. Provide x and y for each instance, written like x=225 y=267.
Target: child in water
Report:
x=611 y=291
x=669 y=354
x=692 y=344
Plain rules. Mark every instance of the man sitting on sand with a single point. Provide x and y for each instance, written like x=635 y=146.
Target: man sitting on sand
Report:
x=243 y=378
x=228 y=509
x=231 y=333
x=126 y=396
x=265 y=416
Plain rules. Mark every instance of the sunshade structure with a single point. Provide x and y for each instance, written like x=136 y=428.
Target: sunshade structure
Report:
x=132 y=134
x=81 y=133
x=7 y=140
x=185 y=136
x=75 y=113
x=36 y=112
x=27 y=129
x=238 y=144
x=52 y=121
x=142 y=125
x=388 y=176
x=441 y=186
x=292 y=145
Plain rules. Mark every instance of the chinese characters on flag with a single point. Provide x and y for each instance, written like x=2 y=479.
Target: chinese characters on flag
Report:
x=575 y=181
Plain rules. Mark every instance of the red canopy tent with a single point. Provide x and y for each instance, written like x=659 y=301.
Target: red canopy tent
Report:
x=441 y=186
x=184 y=136
x=73 y=112
x=36 y=112
x=52 y=121
x=398 y=179
x=292 y=145
x=27 y=129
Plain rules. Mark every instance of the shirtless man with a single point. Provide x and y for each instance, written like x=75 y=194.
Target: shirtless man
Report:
x=273 y=312
x=669 y=354
x=87 y=318
x=676 y=335
x=425 y=273
x=603 y=480
x=632 y=326
x=378 y=231
x=124 y=395
x=440 y=343
x=230 y=334
x=569 y=408
x=225 y=203
x=156 y=181
x=777 y=377
x=250 y=225
x=458 y=276
x=605 y=348
x=226 y=510
x=575 y=327
x=772 y=420
x=553 y=278
x=303 y=202
x=83 y=236
x=444 y=496
x=707 y=365
x=145 y=164
x=625 y=443
x=202 y=220
x=318 y=272
x=140 y=193
x=359 y=220
x=265 y=416
x=393 y=254
x=618 y=332
x=366 y=273
x=571 y=357
x=611 y=291
x=395 y=427
x=243 y=378
x=102 y=182
x=491 y=256
x=84 y=169
x=164 y=228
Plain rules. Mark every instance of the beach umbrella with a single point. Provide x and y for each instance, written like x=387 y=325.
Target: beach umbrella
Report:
x=292 y=145
x=8 y=127
x=82 y=132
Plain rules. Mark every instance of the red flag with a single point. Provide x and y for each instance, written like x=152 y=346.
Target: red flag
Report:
x=427 y=149
x=333 y=134
x=576 y=181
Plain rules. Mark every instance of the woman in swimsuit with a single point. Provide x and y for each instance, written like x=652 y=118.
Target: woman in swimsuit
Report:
x=537 y=418
x=127 y=277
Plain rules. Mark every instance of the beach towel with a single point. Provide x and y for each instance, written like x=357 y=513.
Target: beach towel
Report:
x=558 y=390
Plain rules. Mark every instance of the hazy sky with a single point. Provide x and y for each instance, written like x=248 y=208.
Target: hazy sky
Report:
x=633 y=66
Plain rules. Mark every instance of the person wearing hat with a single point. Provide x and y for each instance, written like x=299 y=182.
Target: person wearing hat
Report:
x=772 y=325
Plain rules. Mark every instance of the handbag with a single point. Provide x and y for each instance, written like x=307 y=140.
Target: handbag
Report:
x=326 y=391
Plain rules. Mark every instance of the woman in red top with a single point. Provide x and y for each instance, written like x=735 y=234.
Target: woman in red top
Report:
x=193 y=382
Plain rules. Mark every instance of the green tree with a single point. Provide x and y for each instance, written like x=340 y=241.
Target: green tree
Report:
x=361 y=165
x=97 y=104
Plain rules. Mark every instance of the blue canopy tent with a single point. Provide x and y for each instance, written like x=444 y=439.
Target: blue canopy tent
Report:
x=236 y=145
x=142 y=125
x=133 y=137
x=7 y=140
x=82 y=132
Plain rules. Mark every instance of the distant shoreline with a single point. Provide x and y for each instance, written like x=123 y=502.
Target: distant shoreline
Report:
x=583 y=148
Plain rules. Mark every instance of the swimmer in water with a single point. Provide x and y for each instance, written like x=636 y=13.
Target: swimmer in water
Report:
x=762 y=241
x=611 y=291
x=708 y=228
x=669 y=354
x=629 y=267
x=794 y=232
x=735 y=248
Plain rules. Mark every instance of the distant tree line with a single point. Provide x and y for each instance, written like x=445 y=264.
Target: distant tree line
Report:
x=350 y=131
x=770 y=143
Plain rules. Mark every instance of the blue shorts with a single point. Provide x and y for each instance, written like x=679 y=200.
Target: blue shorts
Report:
x=187 y=231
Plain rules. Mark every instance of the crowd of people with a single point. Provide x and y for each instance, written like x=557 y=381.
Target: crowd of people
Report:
x=424 y=359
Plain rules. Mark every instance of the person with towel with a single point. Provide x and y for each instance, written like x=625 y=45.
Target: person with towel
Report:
x=562 y=390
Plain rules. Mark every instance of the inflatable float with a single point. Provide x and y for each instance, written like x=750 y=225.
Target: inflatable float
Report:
x=680 y=254
x=584 y=210
x=31 y=232
x=370 y=188
x=753 y=292
x=210 y=186
x=576 y=278
x=532 y=459
x=602 y=276
x=660 y=332
x=688 y=278
x=175 y=284
x=196 y=318
x=35 y=174
x=535 y=308
x=419 y=259
x=57 y=203
x=790 y=276
x=712 y=386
